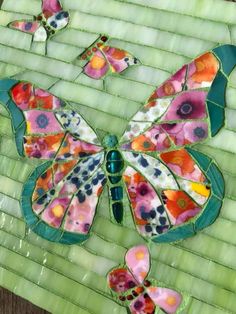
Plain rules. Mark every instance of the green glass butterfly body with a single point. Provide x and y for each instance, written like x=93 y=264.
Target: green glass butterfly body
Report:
x=174 y=191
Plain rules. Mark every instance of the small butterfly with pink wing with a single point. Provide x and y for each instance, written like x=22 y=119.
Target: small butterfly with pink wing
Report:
x=52 y=19
x=139 y=294
x=104 y=59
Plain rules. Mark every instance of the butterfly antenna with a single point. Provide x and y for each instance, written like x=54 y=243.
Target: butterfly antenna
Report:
x=88 y=53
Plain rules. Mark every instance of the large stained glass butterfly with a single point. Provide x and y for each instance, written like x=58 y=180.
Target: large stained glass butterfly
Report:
x=52 y=19
x=130 y=286
x=102 y=59
x=173 y=190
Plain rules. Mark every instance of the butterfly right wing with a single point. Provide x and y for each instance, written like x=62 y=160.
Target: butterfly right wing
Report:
x=166 y=299
x=166 y=207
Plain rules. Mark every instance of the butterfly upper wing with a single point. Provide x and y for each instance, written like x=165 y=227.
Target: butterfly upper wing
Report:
x=166 y=299
x=50 y=7
x=54 y=16
x=60 y=197
x=138 y=261
x=176 y=114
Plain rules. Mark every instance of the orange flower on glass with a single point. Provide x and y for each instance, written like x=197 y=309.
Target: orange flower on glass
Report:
x=204 y=68
x=180 y=205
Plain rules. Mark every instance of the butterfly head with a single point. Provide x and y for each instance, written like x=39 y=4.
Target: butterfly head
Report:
x=110 y=141
x=59 y=20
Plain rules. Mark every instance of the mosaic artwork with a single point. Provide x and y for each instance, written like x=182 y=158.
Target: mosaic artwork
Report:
x=173 y=190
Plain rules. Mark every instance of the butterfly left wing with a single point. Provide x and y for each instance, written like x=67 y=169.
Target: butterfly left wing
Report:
x=60 y=197
x=104 y=59
x=31 y=27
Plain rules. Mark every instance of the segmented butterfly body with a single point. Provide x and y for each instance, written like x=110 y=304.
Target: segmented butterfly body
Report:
x=52 y=19
x=114 y=167
x=173 y=190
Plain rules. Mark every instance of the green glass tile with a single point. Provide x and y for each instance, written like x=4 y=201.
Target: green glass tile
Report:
x=72 y=238
x=47 y=232
x=4 y=97
x=203 y=160
x=217 y=181
x=218 y=89
x=226 y=54
x=17 y=116
x=26 y=198
x=176 y=234
x=217 y=116
x=209 y=215
x=6 y=84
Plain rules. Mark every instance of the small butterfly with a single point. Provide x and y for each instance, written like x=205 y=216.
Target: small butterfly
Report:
x=131 y=286
x=52 y=19
x=104 y=59
x=173 y=190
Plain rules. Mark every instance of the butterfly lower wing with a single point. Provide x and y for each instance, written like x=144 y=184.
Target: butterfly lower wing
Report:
x=143 y=304
x=149 y=214
x=59 y=199
x=167 y=207
x=118 y=59
x=166 y=299
x=187 y=108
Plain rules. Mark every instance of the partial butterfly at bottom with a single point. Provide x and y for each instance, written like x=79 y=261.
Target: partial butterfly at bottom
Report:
x=173 y=190
x=133 y=289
